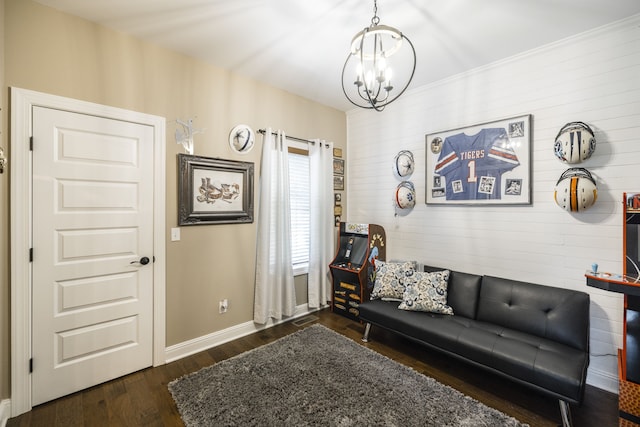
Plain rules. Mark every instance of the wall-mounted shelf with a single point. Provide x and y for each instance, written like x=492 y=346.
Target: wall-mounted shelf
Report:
x=613 y=283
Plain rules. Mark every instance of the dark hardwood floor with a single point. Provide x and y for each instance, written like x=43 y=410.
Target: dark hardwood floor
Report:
x=142 y=398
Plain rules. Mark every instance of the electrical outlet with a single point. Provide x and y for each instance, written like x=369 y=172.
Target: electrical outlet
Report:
x=224 y=306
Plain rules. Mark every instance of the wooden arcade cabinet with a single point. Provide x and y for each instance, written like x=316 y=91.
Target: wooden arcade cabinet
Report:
x=352 y=269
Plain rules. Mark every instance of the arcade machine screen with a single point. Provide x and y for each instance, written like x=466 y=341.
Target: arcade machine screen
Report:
x=353 y=250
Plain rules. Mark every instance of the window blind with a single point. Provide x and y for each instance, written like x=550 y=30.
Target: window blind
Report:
x=300 y=205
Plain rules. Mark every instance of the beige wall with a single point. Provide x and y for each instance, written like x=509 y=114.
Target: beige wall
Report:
x=52 y=52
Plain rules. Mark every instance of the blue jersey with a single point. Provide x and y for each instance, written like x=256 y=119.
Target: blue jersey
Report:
x=473 y=164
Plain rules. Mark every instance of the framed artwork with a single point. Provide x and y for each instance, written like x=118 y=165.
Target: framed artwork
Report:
x=633 y=202
x=338 y=182
x=338 y=166
x=214 y=191
x=485 y=164
x=337 y=152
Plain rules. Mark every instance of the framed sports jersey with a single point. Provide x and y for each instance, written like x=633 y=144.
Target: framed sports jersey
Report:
x=489 y=163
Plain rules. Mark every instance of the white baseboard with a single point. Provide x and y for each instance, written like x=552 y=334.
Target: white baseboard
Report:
x=196 y=345
x=603 y=380
x=5 y=411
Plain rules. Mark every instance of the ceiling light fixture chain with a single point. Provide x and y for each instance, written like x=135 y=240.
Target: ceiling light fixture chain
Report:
x=375 y=20
x=369 y=61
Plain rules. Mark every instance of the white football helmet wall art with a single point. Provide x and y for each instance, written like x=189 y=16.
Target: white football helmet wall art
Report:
x=404 y=164
x=576 y=190
x=574 y=143
x=405 y=196
x=241 y=139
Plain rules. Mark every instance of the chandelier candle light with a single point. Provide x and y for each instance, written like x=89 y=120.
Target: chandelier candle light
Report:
x=370 y=63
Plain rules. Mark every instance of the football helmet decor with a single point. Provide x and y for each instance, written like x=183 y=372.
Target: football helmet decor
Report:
x=404 y=163
x=241 y=139
x=405 y=195
x=575 y=190
x=575 y=143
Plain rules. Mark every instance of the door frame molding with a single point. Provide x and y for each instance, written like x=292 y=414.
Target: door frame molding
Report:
x=22 y=103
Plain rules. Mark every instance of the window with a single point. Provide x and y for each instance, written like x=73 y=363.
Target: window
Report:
x=300 y=207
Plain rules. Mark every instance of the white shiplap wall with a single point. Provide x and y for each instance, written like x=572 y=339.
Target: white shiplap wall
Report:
x=593 y=77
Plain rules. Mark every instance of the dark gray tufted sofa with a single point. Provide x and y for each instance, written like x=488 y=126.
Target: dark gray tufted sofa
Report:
x=533 y=334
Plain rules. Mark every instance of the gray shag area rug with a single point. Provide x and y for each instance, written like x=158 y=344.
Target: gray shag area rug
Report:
x=317 y=377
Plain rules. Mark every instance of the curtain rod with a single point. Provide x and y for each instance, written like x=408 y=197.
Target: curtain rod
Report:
x=263 y=131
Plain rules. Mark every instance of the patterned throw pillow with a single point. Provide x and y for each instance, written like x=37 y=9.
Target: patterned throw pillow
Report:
x=389 y=283
x=426 y=292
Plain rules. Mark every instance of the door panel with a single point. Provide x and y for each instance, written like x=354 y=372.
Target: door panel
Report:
x=93 y=195
x=92 y=301
x=80 y=294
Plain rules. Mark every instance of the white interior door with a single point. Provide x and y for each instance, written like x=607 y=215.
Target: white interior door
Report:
x=92 y=289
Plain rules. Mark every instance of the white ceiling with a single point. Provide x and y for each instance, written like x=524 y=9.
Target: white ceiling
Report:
x=301 y=45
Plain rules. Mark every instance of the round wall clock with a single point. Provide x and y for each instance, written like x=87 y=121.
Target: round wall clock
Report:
x=404 y=163
x=405 y=195
x=241 y=139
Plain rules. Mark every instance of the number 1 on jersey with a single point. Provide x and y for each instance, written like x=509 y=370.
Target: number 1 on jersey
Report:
x=472 y=171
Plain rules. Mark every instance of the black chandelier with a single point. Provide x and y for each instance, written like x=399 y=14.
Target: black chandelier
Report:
x=368 y=72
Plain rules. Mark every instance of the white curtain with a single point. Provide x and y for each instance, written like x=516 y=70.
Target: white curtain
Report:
x=322 y=236
x=275 y=292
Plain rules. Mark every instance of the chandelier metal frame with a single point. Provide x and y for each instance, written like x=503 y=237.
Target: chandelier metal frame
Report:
x=373 y=77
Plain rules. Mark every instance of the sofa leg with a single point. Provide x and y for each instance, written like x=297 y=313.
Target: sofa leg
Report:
x=565 y=411
x=367 y=328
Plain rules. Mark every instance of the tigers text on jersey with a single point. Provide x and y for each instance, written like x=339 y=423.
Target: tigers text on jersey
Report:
x=473 y=164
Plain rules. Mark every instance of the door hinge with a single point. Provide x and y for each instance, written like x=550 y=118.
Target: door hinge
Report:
x=30 y=254
x=31 y=143
x=31 y=365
